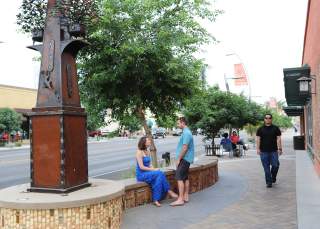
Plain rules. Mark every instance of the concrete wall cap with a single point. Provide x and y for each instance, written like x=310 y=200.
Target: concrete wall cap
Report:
x=17 y=197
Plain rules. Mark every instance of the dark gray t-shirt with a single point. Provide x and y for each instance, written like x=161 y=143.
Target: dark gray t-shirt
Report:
x=268 y=138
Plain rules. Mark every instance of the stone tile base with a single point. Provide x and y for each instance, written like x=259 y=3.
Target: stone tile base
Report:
x=103 y=215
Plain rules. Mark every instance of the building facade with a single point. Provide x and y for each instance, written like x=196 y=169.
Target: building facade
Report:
x=307 y=105
x=20 y=99
x=311 y=57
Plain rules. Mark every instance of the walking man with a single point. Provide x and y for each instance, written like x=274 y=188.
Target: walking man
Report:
x=184 y=157
x=269 y=148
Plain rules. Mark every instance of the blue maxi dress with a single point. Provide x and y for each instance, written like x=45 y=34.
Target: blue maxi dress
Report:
x=156 y=179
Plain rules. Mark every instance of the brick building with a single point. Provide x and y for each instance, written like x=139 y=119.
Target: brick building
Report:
x=307 y=105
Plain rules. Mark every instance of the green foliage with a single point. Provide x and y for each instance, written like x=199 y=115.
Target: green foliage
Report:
x=33 y=13
x=141 y=56
x=113 y=134
x=167 y=122
x=9 y=120
x=213 y=109
x=95 y=118
x=281 y=120
x=130 y=122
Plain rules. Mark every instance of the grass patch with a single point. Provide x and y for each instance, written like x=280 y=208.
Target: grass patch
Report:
x=131 y=173
x=18 y=144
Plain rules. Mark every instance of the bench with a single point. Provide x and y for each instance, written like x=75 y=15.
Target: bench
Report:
x=202 y=174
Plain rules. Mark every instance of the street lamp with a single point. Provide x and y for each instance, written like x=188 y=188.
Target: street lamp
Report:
x=305 y=85
x=245 y=71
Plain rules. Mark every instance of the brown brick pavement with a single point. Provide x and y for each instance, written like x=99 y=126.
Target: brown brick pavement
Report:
x=260 y=207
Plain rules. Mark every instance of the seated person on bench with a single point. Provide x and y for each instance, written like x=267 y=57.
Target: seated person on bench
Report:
x=226 y=143
x=235 y=139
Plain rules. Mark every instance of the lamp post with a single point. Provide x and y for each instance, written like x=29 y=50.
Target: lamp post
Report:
x=245 y=71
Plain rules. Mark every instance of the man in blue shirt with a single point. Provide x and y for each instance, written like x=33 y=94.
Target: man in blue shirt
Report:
x=184 y=157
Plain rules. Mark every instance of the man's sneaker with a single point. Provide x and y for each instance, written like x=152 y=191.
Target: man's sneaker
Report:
x=274 y=180
x=269 y=185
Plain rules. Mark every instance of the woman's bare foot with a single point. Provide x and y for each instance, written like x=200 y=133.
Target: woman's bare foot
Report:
x=172 y=194
x=157 y=203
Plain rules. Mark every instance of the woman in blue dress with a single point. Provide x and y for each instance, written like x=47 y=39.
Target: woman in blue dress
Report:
x=152 y=176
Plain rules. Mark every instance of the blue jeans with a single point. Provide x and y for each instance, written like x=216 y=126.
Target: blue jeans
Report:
x=270 y=159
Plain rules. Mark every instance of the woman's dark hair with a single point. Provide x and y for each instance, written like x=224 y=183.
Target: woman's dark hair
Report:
x=142 y=143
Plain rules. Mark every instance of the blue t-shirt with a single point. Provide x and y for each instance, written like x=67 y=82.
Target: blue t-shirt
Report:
x=186 y=139
x=225 y=141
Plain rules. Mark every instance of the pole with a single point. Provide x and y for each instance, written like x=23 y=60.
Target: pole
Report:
x=226 y=82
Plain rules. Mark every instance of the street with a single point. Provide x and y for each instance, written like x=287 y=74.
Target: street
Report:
x=110 y=159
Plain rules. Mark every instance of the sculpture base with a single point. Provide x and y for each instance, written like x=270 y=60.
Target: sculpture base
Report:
x=53 y=190
x=97 y=206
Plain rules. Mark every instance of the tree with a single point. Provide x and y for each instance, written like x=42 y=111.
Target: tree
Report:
x=32 y=13
x=141 y=57
x=10 y=120
x=213 y=109
x=167 y=122
x=130 y=123
x=282 y=121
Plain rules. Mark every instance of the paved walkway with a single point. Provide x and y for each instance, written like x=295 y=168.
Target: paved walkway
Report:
x=239 y=200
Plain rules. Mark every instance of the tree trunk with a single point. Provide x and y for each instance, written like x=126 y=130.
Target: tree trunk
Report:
x=212 y=145
x=153 y=148
x=230 y=130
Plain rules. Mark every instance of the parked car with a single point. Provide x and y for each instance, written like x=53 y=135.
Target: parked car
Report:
x=177 y=132
x=94 y=133
x=159 y=132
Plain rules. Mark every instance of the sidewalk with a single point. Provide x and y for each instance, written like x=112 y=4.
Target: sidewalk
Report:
x=240 y=199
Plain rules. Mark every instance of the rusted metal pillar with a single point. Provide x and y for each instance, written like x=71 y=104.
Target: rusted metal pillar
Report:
x=59 y=159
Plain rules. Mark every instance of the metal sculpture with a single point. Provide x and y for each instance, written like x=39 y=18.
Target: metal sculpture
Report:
x=59 y=160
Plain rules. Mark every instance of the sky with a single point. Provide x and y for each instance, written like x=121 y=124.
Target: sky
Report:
x=265 y=35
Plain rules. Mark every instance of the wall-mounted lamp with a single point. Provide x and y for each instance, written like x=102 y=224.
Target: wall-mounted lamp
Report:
x=305 y=85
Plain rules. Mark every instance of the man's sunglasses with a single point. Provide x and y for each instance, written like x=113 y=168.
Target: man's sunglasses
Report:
x=267 y=118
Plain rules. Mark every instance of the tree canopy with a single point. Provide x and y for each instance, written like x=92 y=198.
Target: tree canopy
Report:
x=33 y=13
x=10 y=120
x=214 y=109
x=141 y=57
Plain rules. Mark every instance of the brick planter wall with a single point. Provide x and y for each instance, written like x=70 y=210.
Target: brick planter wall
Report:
x=202 y=174
x=96 y=214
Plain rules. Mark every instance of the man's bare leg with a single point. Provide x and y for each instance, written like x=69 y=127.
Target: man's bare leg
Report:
x=186 y=191
x=180 y=200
